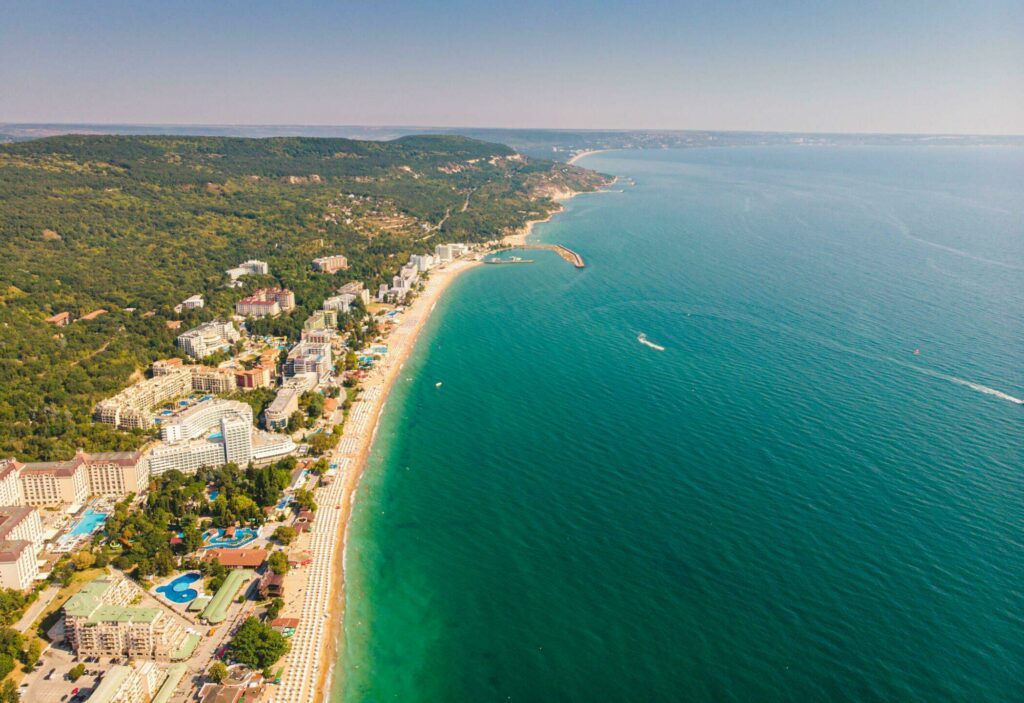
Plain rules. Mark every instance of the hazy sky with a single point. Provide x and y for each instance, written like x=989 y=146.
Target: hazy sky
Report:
x=800 y=66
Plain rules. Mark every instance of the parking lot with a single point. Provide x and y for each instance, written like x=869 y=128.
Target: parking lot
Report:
x=57 y=687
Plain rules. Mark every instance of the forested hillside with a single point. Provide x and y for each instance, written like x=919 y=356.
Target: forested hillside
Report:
x=112 y=222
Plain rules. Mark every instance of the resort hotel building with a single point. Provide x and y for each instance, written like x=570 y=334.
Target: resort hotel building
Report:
x=21 y=538
x=330 y=264
x=71 y=482
x=212 y=433
x=266 y=302
x=208 y=338
x=276 y=416
x=309 y=357
x=249 y=267
x=130 y=409
x=357 y=289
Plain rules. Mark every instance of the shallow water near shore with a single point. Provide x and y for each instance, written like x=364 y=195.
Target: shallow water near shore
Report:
x=787 y=503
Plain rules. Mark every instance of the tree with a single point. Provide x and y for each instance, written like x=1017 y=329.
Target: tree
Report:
x=284 y=534
x=278 y=563
x=274 y=609
x=304 y=499
x=31 y=654
x=76 y=672
x=296 y=422
x=9 y=692
x=257 y=645
x=217 y=672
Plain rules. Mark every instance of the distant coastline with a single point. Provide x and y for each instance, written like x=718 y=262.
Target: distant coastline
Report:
x=589 y=152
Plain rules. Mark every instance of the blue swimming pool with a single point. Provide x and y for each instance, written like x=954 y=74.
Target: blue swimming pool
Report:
x=180 y=589
x=216 y=538
x=88 y=523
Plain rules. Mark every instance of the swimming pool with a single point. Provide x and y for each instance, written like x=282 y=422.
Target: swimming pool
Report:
x=180 y=589
x=88 y=523
x=216 y=538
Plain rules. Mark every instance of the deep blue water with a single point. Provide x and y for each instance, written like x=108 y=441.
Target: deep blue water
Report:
x=787 y=504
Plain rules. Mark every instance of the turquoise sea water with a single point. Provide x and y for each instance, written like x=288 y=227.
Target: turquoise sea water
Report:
x=787 y=504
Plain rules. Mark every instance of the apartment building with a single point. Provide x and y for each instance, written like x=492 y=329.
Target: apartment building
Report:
x=208 y=338
x=101 y=620
x=134 y=683
x=330 y=264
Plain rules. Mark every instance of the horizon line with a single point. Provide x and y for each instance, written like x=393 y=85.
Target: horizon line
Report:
x=506 y=129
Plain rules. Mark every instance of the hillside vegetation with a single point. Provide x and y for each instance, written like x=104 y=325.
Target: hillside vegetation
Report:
x=111 y=222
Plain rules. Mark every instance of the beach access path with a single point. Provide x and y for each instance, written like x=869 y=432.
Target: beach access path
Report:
x=314 y=646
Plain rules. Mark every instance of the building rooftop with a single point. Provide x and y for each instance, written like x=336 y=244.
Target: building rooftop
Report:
x=252 y=558
x=11 y=516
x=114 y=678
x=83 y=603
x=114 y=613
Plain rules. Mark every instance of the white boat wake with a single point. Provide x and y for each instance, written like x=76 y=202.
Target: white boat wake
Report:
x=642 y=338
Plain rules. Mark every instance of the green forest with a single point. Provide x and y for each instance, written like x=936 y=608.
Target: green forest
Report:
x=134 y=225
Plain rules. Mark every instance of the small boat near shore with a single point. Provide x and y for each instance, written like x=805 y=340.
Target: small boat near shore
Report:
x=642 y=338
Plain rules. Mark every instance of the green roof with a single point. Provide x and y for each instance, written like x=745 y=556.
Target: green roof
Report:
x=114 y=613
x=217 y=610
x=187 y=647
x=89 y=598
x=174 y=675
x=111 y=684
x=199 y=603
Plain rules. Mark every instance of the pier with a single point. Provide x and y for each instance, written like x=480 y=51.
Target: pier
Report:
x=508 y=261
x=565 y=252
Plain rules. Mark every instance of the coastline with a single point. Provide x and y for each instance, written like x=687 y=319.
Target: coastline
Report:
x=401 y=342
x=376 y=389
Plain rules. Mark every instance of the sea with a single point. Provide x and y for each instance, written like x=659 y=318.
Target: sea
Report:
x=813 y=492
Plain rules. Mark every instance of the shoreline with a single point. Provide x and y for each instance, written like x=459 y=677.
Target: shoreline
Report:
x=401 y=343
x=590 y=152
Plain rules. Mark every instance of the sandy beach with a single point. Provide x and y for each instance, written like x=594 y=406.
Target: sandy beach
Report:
x=586 y=153
x=375 y=390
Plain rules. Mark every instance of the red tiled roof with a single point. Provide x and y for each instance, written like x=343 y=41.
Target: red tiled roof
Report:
x=249 y=558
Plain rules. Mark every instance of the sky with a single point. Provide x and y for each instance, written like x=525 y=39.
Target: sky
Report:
x=864 y=66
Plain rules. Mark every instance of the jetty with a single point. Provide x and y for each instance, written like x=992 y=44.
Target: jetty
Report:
x=508 y=261
x=565 y=252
